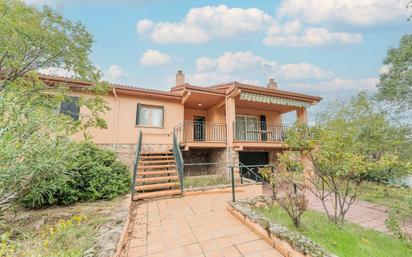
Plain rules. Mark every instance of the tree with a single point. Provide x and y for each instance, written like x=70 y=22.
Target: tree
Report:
x=374 y=133
x=34 y=137
x=336 y=170
x=395 y=86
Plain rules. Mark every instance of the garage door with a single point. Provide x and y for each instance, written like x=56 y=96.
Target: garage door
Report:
x=252 y=158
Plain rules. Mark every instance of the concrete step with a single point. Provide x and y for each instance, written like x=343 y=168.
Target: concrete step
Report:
x=141 y=196
x=157 y=179
x=156 y=172
x=156 y=186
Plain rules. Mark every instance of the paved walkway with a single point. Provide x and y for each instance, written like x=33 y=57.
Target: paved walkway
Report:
x=198 y=226
x=365 y=214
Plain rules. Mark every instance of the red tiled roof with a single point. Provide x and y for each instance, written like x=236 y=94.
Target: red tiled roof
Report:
x=216 y=89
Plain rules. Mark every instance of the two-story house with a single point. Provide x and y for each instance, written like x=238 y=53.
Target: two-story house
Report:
x=226 y=123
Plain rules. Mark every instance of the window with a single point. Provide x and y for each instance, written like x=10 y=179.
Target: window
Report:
x=247 y=127
x=151 y=116
x=70 y=107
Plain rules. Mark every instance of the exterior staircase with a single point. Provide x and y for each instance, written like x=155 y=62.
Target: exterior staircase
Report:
x=157 y=176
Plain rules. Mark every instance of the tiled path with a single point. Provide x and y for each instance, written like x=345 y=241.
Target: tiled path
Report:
x=366 y=214
x=195 y=226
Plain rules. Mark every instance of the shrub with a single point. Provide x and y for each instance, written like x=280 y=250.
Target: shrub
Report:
x=92 y=174
x=288 y=189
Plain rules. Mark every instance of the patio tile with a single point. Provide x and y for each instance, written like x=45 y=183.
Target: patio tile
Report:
x=225 y=252
x=191 y=226
x=243 y=238
x=215 y=244
x=137 y=251
x=253 y=247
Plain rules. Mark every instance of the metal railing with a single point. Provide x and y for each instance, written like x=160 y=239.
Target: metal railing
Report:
x=259 y=131
x=252 y=172
x=136 y=162
x=191 y=131
x=177 y=153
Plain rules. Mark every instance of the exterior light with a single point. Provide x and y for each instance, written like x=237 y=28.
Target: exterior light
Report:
x=199 y=104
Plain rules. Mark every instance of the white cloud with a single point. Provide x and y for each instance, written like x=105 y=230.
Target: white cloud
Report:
x=233 y=65
x=56 y=71
x=115 y=73
x=154 y=58
x=384 y=69
x=231 y=62
x=292 y=35
x=337 y=85
x=298 y=71
x=358 y=12
x=204 y=23
x=143 y=26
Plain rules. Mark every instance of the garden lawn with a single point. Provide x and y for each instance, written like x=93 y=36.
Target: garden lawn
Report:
x=349 y=240
x=387 y=195
x=205 y=181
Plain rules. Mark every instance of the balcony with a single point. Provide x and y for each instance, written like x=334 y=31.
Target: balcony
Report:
x=252 y=131
x=201 y=134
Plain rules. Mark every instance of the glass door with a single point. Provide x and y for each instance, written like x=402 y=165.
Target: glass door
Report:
x=247 y=128
x=199 y=128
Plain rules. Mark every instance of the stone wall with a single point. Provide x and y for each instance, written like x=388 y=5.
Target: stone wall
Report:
x=199 y=156
x=125 y=152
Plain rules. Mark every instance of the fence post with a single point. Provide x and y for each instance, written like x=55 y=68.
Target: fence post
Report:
x=241 y=174
x=232 y=174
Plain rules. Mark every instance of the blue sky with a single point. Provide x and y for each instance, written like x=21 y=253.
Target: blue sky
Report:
x=330 y=48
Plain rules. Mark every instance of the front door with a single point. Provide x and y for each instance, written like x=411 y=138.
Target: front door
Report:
x=199 y=128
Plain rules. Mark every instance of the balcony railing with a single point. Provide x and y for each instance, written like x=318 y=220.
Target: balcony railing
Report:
x=190 y=131
x=259 y=131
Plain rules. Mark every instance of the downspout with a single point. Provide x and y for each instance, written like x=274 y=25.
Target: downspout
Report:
x=116 y=117
x=228 y=150
x=227 y=141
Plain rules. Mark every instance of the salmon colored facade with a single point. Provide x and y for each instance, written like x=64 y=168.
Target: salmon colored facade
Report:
x=212 y=124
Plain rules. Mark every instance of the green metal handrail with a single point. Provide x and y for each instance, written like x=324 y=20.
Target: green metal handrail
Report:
x=136 y=161
x=179 y=160
x=258 y=177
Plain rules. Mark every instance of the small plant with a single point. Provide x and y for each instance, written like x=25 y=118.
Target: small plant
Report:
x=397 y=221
x=288 y=189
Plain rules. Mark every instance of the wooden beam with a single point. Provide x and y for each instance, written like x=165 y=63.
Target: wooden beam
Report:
x=236 y=93
x=186 y=97
x=220 y=104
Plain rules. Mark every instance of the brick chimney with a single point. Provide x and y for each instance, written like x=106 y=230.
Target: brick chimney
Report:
x=272 y=84
x=180 y=78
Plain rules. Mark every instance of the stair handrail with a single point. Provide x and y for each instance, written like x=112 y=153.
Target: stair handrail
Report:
x=177 y=153
x=241 y=165
x=136 y=161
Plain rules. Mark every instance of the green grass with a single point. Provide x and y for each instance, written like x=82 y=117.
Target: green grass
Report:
x=387 y=195
x=348 y=240
x=204 y=181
